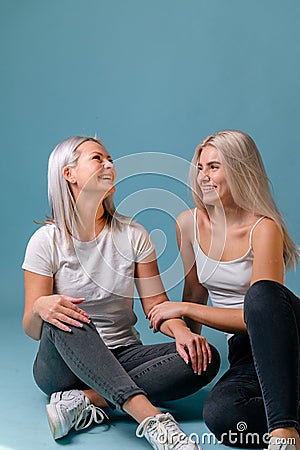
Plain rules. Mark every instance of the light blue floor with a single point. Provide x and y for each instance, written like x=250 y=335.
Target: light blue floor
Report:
x=23 y=422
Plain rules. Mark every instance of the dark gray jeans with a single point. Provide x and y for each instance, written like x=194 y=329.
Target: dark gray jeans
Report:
x=260 y=391
x=81 y=360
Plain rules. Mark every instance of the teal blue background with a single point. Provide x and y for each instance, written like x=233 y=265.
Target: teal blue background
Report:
x=154 y=76
x=146 y=76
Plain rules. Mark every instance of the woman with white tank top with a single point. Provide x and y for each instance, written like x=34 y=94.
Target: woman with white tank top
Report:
x=235 y=250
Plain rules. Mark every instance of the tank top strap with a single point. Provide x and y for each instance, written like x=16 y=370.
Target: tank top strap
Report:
x=252 y=229
x=195 y=226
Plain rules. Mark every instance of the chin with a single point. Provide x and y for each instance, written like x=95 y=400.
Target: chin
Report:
x=110 y=191
x=211 y=200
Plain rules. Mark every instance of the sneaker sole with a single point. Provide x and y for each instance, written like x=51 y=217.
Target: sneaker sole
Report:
x=55 y=422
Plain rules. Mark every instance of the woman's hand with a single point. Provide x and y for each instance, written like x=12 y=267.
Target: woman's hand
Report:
x=193 y=349
x=61 y=310
x=164 y=311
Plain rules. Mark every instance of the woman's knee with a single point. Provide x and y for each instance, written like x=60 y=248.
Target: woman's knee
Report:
x=260 y=296
x=214 y=366
x=211 y=371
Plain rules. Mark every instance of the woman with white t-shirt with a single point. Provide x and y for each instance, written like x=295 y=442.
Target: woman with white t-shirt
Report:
x=80 y=269
x=235 y=248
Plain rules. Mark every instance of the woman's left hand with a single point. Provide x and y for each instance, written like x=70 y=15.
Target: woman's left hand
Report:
x=164 y=311
x=194 y=349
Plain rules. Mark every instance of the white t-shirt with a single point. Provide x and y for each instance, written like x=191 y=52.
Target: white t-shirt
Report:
x=101 y=271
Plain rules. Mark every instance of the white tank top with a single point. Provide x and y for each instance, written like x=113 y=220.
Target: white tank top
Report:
x=226 y=281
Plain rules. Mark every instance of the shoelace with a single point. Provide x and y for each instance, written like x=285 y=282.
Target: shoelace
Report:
x=142 y=428
x=164 y=425
x=88 y=415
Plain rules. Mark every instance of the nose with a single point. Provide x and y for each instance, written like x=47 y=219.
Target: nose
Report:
x=108 y=163
x=204 y=174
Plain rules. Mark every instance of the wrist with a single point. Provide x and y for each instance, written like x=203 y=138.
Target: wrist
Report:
x=35 y=308
x=178 y=327
x=195 y=311
x=185 y=309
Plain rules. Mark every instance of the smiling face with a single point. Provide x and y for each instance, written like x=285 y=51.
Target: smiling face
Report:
x=93 y=173
x=212 y=178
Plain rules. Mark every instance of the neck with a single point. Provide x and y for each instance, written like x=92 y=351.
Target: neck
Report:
x=221 y=218
x=226 y=214
x=92 y=219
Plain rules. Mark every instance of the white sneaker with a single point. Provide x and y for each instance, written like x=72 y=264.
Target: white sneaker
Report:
x=68 y=409
x=277 y=443
x=163 y=433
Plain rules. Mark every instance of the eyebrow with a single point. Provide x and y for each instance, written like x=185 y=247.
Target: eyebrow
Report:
x=101 y=154
x=209 y=162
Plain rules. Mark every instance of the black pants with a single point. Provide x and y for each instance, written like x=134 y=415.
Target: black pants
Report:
x=260 y=391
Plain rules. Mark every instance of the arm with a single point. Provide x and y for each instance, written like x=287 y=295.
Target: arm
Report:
x=41 y=304
x=267 y=244
x=151 y=292
x=268 y=264
x=193 y=307
x=190 y=346
x=230 y=320
x=193 y=291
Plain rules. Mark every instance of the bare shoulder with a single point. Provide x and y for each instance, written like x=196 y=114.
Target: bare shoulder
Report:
x=186 y=218
x=266 y=227
x=268 y=263
x=266 y=231
x=185 y=226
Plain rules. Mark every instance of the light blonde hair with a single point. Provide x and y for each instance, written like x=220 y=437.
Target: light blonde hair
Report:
x=63 y=208
x=247 y=180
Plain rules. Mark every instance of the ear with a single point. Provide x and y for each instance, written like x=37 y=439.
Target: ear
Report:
x=67 y=173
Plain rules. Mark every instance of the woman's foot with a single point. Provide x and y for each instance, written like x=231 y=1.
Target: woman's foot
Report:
x=95 y=398
x=68 y=409
x=163 y=433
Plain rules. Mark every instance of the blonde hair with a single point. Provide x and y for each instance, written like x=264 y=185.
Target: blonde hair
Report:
x=63 y=209
x=247 y=180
